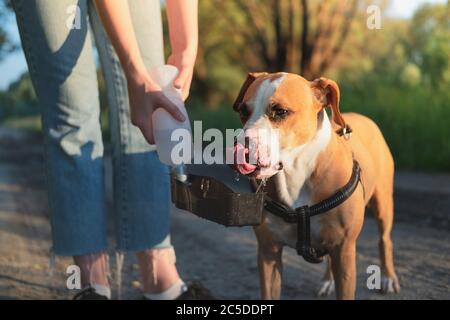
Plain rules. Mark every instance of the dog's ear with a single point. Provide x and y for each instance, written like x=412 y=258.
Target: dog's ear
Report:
x=328 y=94
x=251 y=77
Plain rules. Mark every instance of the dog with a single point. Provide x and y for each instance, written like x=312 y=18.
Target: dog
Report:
x=313 y=162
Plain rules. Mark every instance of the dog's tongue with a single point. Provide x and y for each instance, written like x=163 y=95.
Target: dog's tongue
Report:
x=240 y=162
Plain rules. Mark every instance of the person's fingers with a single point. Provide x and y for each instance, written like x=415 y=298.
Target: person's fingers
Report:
x=147 y=132
x=187 y=88
x=181 y=79
x=170 y=107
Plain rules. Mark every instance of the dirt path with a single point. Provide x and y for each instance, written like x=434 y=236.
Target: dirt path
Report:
x=223 y=259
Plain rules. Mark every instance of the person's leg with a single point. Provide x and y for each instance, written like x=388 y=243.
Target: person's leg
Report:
x=141 y=181
x=62 y=68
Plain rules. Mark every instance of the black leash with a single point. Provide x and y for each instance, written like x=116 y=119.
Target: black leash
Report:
x=302 y=215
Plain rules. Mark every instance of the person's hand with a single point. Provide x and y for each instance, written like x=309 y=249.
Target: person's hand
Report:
x=145 y=97
x=185 y=62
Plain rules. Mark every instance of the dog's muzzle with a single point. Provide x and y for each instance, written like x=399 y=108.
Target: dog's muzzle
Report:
x=254 y=162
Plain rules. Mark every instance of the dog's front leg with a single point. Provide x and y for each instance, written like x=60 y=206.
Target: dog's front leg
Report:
x=269 y=264
x=326 y=287
x=343 y=262
x=270 y=270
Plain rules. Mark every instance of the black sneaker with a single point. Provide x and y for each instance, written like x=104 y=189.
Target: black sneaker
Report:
x=196 y=291
x=89 y=293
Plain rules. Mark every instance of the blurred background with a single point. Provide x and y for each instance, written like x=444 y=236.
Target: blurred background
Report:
x=399 y=75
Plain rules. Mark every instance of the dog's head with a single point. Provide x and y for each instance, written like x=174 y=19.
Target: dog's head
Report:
x=279 y=112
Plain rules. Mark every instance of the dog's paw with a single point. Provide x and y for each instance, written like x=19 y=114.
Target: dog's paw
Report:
x=326 y=288
x=390 y=285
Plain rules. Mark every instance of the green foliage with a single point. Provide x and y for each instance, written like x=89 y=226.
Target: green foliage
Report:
x=399 y=76
x=406 y=89
x=28 y=123
x=6 y=43
x=222 y=117
x=429 y=44
x=414 y=120
x=220 y=66
x=20 y=99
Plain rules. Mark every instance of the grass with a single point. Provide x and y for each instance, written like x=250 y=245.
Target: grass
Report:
x=414 y=121
x=221 y=118
x=29 y=123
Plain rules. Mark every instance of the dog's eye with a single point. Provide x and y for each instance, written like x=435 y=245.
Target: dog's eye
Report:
x=278 y=113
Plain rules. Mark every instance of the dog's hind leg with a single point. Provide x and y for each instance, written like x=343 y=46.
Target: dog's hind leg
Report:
x=326 y=287
x=383 y=209
x=269 y=264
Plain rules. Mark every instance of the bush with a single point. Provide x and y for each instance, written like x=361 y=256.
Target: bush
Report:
x=414 y=121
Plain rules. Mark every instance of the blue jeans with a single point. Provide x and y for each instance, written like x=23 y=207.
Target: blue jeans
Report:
x=64 y=74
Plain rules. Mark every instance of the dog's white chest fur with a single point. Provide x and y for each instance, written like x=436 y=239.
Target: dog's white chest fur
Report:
x=293 y=184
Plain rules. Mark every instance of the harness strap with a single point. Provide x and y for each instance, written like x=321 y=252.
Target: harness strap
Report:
x=341 y=195
x=302 y=215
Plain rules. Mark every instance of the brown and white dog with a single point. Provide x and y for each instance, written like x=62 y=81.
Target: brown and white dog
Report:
x=313 y=162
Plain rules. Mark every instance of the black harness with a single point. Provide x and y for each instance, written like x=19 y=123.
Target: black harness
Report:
x=302 y=215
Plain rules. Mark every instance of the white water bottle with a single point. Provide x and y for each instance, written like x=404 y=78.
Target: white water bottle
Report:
x=164 y=124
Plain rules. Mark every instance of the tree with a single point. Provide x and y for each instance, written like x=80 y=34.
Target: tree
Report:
x=6 y=44
x=429 y=46
x=300 y=36
x=19 y=100
x=218 y=71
